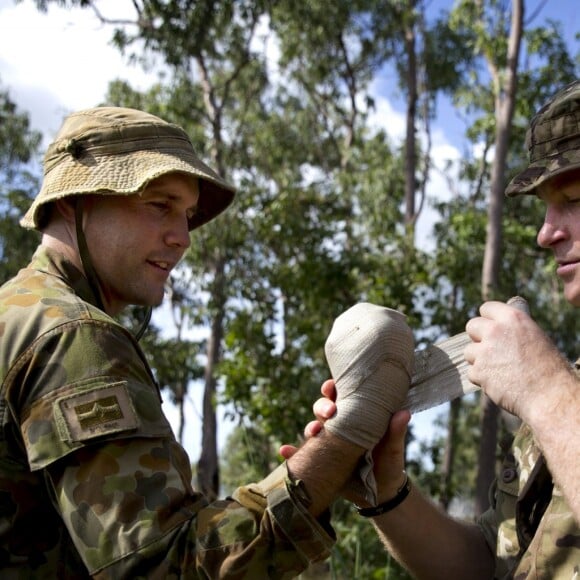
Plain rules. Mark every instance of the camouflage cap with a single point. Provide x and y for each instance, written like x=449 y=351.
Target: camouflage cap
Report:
x=553 y=141
x=118 y=151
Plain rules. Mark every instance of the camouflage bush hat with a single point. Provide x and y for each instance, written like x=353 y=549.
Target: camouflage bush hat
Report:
x=118 y=151
x=553 y=141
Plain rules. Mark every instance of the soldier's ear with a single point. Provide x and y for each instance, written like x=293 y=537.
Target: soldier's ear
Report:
x=66 y=208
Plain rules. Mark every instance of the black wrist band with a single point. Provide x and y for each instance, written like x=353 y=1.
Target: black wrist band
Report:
x=388 y=505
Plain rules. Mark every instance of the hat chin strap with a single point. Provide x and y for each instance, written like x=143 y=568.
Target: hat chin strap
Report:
x=86 y=261
x=143 y=328
x=90 y=271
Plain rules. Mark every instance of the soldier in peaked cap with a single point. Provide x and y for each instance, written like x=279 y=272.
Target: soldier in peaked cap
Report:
x=92 y=480
x=532 y=529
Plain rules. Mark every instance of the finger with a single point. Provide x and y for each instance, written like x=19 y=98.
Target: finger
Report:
x=469 y=354
x=312 y=429
x=473 y=377
x=287 y=451
x=393 y=443
x=475 y=328
x=495 y=310
x=491 y=307
x=398 y=425
x=324 y=409
x=328 y=389
x=488 y=311
x=519 y=303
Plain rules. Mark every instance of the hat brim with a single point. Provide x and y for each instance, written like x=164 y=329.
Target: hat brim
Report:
x=128 y=174
x=539 y=172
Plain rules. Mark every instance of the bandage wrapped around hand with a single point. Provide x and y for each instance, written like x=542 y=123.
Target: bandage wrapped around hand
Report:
x=370 y=353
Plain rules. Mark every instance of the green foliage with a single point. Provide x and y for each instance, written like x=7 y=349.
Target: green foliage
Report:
x=318 y=221
x=325 y=41
x=463 y=470
x=248 y=457
x=18 y=143
x=455 y=266
x=446 y=55
x=18 y=186
x=16 y=243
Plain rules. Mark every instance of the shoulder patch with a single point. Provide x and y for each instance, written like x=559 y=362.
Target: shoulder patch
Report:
x=100 y=411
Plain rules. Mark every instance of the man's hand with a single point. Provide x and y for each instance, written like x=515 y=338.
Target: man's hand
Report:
x=511 y=359
x=324 y=408
x=389 y=459
x=388 y=455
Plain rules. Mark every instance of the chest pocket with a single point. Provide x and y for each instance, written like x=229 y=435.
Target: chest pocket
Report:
x=504 y=493
x=504 y=500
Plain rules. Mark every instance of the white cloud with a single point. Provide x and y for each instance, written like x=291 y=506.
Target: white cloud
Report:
x=385 y=116
x=444 y=158
x=62 y=61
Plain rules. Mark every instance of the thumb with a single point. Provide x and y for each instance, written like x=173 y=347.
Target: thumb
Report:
x=389 y=457
x=390 y=452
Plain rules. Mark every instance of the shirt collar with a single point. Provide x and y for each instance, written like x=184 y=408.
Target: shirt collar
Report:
x=54 y=263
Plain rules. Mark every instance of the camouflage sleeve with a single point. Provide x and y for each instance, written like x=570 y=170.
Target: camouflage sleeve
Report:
x=92 y=419
x=131 y=513
x=501 y=516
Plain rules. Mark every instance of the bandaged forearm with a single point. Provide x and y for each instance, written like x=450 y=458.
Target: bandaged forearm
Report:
x=370 y=352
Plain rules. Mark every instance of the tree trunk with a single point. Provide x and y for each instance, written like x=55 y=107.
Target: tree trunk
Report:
x=505 y=84
x=208 y=466
x=410 y=145
x=445 y=495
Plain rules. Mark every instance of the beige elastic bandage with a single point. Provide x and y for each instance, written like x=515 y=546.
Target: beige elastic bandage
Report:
x=370 y=353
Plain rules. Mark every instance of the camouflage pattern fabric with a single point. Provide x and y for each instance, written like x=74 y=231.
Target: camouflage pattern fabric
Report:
x=530 y=527
x=92 y=480
x=552 y=141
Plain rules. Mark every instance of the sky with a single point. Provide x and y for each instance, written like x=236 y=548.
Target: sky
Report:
x=62 y=61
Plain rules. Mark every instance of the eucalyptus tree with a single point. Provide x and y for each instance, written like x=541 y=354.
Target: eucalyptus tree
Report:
x=316 y=258
x=501 y=52
x=498 y=126
x=428 y=59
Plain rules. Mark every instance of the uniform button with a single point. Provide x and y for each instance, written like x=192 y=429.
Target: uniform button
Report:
x=509 y=474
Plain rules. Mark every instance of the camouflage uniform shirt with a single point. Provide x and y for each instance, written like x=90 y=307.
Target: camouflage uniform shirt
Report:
x=530 y=527
x=92 y=480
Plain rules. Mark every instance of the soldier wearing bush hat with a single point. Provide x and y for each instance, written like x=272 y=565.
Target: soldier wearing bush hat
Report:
x=114 y=151
x=534 y=521
x=93 y=482
x=532 y=529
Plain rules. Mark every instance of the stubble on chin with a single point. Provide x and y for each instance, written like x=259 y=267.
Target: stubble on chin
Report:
x=571 y=291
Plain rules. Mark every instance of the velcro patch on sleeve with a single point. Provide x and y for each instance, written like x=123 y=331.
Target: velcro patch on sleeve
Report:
x=94 y=413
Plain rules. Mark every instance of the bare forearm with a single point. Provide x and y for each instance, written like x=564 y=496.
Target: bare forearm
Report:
x=432 y=545
x=324 y=464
